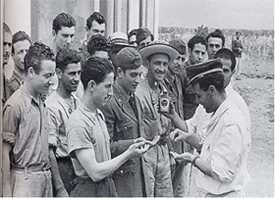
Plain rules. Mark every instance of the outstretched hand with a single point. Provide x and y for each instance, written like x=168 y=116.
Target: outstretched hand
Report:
x=178 y=135
x=140 y=147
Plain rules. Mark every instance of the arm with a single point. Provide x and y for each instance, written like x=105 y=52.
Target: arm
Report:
x=223 y=163
x=58 y=185
x=182 y=133
x=99 y=170
x=11 y=117
x=178 y=122
x=201 y=164
x=191 y=138
x=6 y=170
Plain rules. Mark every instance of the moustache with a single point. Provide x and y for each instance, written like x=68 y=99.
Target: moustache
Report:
x=160 y=71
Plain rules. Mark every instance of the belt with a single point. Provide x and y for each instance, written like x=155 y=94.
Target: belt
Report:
x=32 y=168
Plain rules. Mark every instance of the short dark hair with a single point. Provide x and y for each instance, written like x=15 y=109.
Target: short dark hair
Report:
x=20 y=36
x=216 y=79
x=35 y=55
x=65 y=57
x=143 y=33
x=96 y=16
x=227 y=54
x=179 y=45
x=63 y=20
x=98 y=43
x=132 y=32
x=95 y=69
x=195 y=40
x=6 y=28
x=216 y=34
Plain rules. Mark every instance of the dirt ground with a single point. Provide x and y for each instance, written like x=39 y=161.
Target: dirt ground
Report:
x=256 y=85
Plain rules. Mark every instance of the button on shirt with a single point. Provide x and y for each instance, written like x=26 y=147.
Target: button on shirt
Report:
x=59 y=111
x=225 y=148
x=25 y=122
x=86 y=130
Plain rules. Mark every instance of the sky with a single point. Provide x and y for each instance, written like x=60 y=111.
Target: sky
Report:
x=232 y=14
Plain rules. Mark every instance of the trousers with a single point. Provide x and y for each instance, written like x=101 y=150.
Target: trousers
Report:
x=26 y=183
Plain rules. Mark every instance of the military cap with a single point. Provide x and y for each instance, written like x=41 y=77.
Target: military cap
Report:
x=198 y=71
x=129 y=58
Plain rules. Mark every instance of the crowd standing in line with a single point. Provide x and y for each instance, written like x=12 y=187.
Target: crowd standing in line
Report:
x=123 y=115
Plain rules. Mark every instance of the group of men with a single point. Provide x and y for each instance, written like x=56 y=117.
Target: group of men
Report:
x=91 y=121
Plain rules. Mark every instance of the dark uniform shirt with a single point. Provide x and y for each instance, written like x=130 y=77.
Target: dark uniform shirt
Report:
x=123 y=118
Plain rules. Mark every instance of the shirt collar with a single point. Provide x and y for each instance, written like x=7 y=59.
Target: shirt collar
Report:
x=121 y=94
x=27 y=94
x=220 y=111
x=18 y=76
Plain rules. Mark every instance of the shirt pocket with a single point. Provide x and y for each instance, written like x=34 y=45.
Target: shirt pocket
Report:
x=125 y=130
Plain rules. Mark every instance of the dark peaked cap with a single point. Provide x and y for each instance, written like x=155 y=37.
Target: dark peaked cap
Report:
x=195 y=72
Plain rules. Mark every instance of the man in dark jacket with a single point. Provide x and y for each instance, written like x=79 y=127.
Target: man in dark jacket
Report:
x=123 y=118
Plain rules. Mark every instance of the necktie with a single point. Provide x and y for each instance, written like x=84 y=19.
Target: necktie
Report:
x=132 y=103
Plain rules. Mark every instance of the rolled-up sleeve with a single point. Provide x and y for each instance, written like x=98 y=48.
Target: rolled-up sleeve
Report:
x=226 y=154
x=11 y=115
x=191 y=125
x=79 y=138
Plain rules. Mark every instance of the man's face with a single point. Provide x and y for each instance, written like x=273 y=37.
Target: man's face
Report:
x=101 y=54
x=198 y=54
x=42 y=81
x=203 y=97
x=158 y=66
x=64 y=37
x=20 y=50
x=104 y=90
x=145 y=42
x=132 y=40
x=95 y=29
x=7 y=45
x=226 y=66
x=130 y=78
x=70 y=77
x=213 y=45
x=176 y=66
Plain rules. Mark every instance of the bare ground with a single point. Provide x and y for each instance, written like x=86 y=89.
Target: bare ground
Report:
x=256 y=85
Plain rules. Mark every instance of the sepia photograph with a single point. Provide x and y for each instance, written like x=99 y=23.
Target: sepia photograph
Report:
x=137 y=98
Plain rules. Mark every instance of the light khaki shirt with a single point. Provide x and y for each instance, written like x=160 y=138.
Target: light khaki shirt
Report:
x=88 y=130
x=25 y=122
x=59 y=112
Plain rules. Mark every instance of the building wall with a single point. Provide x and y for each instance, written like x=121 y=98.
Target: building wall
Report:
x=36 y=16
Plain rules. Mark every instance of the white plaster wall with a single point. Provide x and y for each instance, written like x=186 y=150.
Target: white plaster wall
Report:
x=17 y=14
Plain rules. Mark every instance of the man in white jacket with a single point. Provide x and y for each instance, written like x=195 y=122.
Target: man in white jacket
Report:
x=224 y=146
